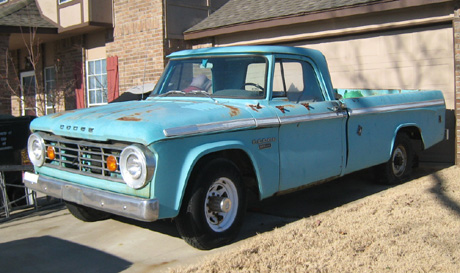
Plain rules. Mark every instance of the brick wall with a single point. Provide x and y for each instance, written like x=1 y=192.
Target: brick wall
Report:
x=9 y=80
x=5 y=106
x=68 y=52
x=14 y=83
x=138 y=41
x=456 y=27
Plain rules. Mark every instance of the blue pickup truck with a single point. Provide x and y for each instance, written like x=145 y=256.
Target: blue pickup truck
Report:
x=220 y=123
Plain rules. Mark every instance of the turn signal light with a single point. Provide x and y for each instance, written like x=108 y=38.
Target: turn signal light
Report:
x=50 y=152
x=112 y=164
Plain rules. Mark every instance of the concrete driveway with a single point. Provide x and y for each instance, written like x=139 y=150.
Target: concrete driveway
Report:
x=52 y=240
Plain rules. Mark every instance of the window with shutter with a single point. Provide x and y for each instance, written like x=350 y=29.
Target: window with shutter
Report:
x=112 y=78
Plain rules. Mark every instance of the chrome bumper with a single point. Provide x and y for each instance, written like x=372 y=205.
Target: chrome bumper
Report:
x=128 y=206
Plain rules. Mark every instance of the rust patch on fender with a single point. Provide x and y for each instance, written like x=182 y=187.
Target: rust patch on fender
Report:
x=306 y=105
x=282 y=109
x=255 y=107
x=233 y=110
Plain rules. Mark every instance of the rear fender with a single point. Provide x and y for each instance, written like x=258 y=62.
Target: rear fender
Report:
x=412 y=130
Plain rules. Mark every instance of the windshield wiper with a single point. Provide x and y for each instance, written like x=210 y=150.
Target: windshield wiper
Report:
x=195 y=92
x=176 y=92
x=202 y=92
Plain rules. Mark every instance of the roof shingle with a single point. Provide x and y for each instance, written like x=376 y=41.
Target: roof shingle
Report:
x=24 y=13
x=236 y=12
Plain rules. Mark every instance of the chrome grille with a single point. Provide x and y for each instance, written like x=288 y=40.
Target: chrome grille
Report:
x=83 y=157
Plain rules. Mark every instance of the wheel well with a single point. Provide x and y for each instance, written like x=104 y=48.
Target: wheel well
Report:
x=415 y=135
x=240 y=159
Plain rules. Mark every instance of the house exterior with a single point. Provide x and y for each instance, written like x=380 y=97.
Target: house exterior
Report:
x=382 y=44
x=57 y=55
x=88 y=52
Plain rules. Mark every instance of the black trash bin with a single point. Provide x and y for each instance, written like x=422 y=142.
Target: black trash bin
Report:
x=14 y=132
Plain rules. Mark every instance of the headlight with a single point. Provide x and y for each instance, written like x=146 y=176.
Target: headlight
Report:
x=137 y=165
x=36 y=149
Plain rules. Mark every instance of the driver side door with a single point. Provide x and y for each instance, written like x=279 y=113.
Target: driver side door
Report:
x=312 y=129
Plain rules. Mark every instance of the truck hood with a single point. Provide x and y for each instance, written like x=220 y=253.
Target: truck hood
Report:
x=142 y=121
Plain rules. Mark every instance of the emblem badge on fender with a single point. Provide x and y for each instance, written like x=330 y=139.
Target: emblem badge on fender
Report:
x=264 y=143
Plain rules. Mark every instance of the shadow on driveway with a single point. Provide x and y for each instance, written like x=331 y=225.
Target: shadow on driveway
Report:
x=50 y=254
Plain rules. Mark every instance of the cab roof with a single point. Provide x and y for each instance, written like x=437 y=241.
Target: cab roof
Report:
x=265 y=49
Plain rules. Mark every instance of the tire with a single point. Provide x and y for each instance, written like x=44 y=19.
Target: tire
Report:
x=212 y=212
x=86 y=214
x=399 y=168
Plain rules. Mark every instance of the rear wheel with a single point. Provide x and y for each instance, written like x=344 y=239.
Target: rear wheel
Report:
x=213 y=211
x=86 y=214
x=399 y=167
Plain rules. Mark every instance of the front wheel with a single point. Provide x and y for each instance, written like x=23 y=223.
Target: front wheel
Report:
x=213 y=211
x=399 y=167
x=86 y=214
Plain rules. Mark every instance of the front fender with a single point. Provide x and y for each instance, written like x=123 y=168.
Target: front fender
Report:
x=199 y=152
x=177 y=159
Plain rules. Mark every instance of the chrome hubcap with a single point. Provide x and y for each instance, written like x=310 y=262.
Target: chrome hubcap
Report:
x=399 y=161
x=221 y=204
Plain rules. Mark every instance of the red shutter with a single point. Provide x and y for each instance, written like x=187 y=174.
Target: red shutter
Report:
x=112 y=78
x=79 y=86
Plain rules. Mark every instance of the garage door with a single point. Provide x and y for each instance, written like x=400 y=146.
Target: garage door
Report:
x=416 y=58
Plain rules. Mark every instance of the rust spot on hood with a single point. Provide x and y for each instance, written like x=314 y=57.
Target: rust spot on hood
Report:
x=129 y=118
x=61 y=113
x=233 y=110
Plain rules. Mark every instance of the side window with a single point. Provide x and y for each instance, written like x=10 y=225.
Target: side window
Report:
x=296 y=80
x=288 y=76
x=255 y=77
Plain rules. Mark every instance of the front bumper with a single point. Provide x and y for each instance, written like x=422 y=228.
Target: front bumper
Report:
x=128 y=206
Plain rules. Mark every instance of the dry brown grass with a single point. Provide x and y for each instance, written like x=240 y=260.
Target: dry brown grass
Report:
x=414 y=227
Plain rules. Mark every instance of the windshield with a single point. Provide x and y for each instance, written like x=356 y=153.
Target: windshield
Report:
x=218 y=77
